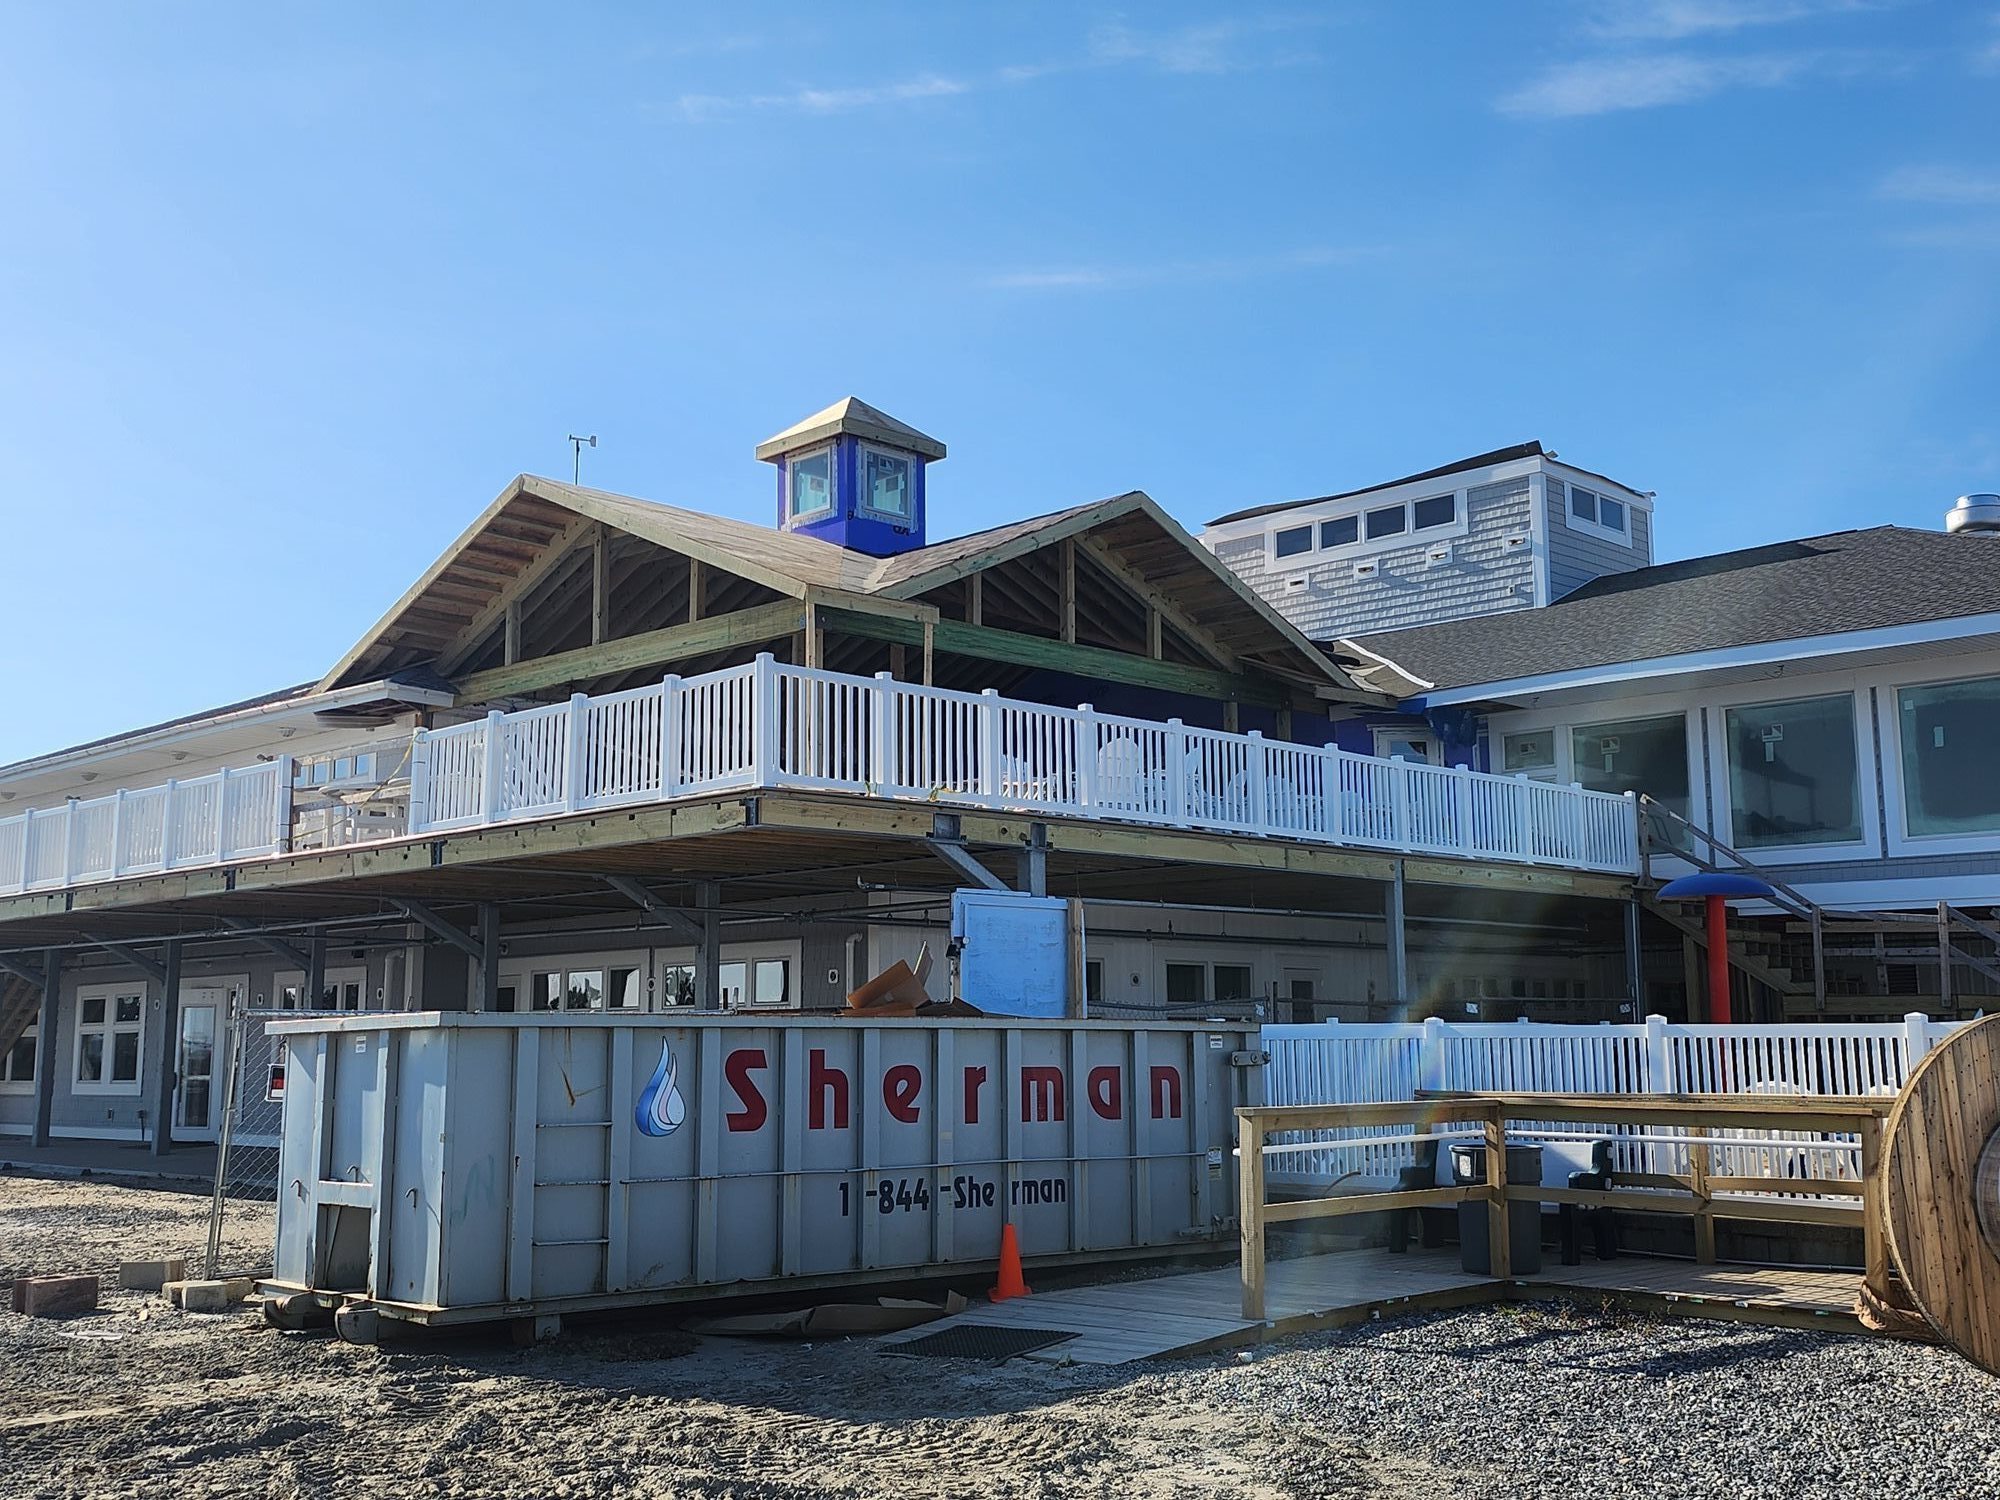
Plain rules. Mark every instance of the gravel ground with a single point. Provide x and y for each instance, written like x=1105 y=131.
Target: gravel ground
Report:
x=1519 y=1401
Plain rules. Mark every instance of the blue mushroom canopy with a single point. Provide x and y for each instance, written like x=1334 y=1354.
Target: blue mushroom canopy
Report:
x=1715 y=883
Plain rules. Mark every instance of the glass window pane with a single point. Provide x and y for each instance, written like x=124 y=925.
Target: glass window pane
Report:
x=1292 y=542
x=1093 y=982
x=1389 y=521
x=545 y=991
x=1439 y=510
x=771 y=976
x=623 y=989
x=1340 y=531
x=1582 y=503
x=128 y=1008
x=1792 y=773
x=21 y=1060
x=886 y=484
x=1948 y=734
x=125 y=1057
x=1232 y=981
x=677 y=985
x=1610 y=512
x=1187 y=984
x=585 y=990
x=1533 y=750
x=1635 y=755
x=93 y=1010
x=812 y=482
x=90 y=1058
x=729 y=979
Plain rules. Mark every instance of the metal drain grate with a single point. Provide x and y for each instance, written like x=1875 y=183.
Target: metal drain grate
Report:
x=983 y=1341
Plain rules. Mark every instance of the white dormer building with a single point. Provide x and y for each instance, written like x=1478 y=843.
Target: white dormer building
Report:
x=1511 y=529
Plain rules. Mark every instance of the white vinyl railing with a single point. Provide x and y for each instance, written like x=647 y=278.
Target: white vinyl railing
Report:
x=1336 y=1063
x=234 y=813
x=772 y=726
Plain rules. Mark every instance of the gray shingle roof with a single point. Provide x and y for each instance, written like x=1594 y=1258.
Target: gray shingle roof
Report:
x=1822 y=585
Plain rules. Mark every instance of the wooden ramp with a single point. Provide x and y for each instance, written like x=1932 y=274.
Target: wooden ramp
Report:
x=1116 y=1322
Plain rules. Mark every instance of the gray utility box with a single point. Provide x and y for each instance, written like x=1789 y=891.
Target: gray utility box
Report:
x=466 y=1167
x=1524 y=1220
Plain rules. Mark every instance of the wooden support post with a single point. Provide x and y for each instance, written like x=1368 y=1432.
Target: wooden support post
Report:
x=1691 y=978
x=975 y=599
x=1232 y=716
x=1497 y=1209
x=600 y=585
x=899 y=662
x=511 y=643
x=1635 y=960
x=1154 y=646
x=1032 y=876
x=168 y=1062
x=815 y=654
x=1250 y=1211
x=1874 y=1211
x=930 y=651
x=1944 y=956
x=1704 y=1222
x=697 y=585
x=45 y=1044
x=1396 y=936
x=1284 y=724
x=1819 y=959
x=488 y=998
x=708 y=954
x=1079 y=985
x=1068 y=563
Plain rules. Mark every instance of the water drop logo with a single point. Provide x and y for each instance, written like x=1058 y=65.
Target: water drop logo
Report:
x=661 y=1109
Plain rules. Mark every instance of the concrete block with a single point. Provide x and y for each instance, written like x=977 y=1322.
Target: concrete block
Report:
x=54 y=1296
x=208 y=1296
x=150 y=1275
x=357 y=1325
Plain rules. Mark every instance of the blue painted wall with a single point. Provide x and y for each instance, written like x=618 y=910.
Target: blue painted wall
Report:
x=847 y=525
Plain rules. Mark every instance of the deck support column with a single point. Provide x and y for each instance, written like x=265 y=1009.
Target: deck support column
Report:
x=45 y=1044
x=1397 y=938
x=167 y=1075
x=488 y=999
x=313 y=995
x=708 y=953
x=1033 y=873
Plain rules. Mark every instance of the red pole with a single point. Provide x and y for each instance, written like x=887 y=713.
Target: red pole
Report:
x=1718 y=961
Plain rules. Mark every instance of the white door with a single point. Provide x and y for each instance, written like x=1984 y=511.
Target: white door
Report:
x=201 y=1061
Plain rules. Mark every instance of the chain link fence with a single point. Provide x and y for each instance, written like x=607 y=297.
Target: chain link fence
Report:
x=242 y=1216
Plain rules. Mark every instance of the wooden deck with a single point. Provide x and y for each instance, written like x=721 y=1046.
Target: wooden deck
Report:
x=1191 y=1312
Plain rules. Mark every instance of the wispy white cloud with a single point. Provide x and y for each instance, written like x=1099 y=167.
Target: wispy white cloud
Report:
x=1176 y=273
x=1952 y=186
x=1678 y=20
x=1234 y=45
x=1603 y=85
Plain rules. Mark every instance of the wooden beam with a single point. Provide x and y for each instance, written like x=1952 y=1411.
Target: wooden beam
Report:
x=1067 y=595
x=1159 y=606
x=767 y=622
x=975 y=599
x=468 y=636
x=510 y=651
x=986 y=643
x=697 y=584
x=600 y=585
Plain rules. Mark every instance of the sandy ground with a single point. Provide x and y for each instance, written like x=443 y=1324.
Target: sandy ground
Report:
x=143 y=1400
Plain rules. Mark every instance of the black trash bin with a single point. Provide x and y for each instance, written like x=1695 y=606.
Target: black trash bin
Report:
x=1524 y=1220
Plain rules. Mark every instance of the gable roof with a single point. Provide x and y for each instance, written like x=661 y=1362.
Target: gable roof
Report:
x=533 y=515
x=1830 y=585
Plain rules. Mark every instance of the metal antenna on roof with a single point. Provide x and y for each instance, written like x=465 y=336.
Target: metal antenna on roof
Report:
x=576 y=455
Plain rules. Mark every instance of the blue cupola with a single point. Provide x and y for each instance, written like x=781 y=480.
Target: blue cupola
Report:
x=853 y=476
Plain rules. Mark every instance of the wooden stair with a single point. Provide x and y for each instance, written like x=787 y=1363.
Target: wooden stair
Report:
x=1750 y=953
x=20 y=1003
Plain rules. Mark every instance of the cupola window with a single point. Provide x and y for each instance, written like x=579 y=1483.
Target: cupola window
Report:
x=812 y=483
x=885 y=484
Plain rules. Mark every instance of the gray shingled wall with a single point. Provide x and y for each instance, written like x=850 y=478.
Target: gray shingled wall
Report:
x=1480 y=579
x=1576 y=557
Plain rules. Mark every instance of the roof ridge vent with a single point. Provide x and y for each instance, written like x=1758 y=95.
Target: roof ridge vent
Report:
x=1976 y=514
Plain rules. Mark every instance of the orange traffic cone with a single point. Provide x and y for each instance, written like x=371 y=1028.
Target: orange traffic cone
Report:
x=1011 y=1284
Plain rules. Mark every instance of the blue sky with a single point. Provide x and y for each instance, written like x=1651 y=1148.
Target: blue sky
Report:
x=288 y=293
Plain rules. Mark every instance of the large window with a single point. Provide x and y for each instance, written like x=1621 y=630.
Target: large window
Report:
x=1597 y=511
x=110 y=1040
x=1648 y=756
x=1949 y=734
x=810 y=476
x=1792 y=773
x=885 y=484
x=17 y=1063
x=757 y=983
x=615 y=987
x=1529 y=753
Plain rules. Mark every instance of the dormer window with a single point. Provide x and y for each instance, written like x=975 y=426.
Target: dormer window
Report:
x=1390 y=520
x=811 y=476
x=885 y=484
x=1592 y=511
x=1293 y=540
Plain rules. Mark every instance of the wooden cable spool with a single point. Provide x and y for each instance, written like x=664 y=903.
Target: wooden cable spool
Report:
x=1941 y=1161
